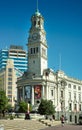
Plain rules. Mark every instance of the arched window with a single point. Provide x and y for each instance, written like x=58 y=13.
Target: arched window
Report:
x=39 y=23
x=34 y=23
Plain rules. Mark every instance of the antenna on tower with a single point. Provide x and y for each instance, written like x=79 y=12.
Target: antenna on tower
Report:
x=60 y=61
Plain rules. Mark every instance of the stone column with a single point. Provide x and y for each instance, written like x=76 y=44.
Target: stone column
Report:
x=43 y=92
x=47 y=92
x=23 y=92
x=32 y=95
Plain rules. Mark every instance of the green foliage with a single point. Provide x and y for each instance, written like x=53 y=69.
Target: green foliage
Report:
x=11 y=117
x=3 y=100
x=46 y=107
x=9 y=107
x=23 y=106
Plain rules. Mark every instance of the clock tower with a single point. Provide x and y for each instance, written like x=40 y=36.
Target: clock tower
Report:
x=37 y=45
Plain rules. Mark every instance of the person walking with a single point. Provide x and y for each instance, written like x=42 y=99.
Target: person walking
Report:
x=62 y=120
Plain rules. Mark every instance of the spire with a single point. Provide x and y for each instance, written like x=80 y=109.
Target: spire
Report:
x=37 y=10
x=37 y=7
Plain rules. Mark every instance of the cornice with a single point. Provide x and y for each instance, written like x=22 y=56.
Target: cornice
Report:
x=72 y=80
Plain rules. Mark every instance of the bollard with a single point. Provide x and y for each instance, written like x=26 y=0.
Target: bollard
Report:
x=1 y=127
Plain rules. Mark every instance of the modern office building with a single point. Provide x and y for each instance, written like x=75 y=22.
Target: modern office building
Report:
x=3 y=58
x=13 y=59
x=42 y=82
x=8 y=79
x=18 y=54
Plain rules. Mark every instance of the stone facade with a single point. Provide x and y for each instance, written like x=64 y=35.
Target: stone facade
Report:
x=69 y=96
x=42 y=82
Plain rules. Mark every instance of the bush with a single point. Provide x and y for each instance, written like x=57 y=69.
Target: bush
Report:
x=11 y=117
x=46 y=107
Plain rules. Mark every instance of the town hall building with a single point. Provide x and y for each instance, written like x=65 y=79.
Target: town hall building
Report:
x=40 y=82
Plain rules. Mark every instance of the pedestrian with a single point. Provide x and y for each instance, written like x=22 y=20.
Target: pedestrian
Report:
x=27 y=116
x=53 y=117
x=62 y=120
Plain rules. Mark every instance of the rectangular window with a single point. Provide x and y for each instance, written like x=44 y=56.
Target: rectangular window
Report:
x=79 y=107
x=52 y=93
x=70 y=118
x=70 y=106
x=79 y=88
x=62 y=94
x=10 y=69
x=74 y=86
x=9 y=97
x=69 y=85
x=9 y=87
x=31 y=50
x=10 y=92
x=79 y=96
x=10 y=79
x=75 y=107
x=36 y=49
x=9 y=83
x=62 y=106
x=74 y=96
x=9 y=74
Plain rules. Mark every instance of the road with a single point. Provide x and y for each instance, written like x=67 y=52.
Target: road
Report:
x=65 y=127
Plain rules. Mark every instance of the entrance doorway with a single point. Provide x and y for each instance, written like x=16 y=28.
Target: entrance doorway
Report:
x=75 y=119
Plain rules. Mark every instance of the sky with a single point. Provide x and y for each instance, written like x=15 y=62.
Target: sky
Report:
x=63 y=26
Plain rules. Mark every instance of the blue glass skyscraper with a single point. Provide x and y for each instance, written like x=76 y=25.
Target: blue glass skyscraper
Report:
x=18 y=54
x=3 y=58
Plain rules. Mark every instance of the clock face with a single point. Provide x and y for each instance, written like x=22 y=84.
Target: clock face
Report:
x=34 y=36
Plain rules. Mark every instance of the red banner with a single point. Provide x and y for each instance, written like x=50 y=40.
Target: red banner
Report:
x=37 y=91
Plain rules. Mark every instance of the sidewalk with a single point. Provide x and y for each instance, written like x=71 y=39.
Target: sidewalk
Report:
x=27 y=124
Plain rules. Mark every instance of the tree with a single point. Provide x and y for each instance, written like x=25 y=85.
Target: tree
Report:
x=23 y=106
x=46 y=107
x=3 y=101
